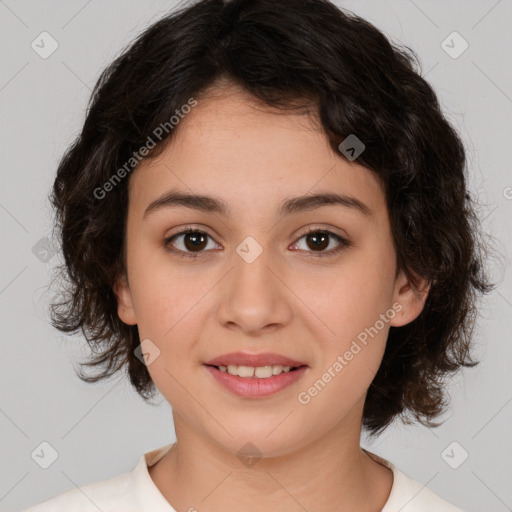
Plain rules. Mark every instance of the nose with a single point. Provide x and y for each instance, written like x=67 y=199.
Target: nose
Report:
x=254 y=296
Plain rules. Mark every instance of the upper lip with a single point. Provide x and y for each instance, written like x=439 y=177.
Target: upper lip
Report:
x=246 y=359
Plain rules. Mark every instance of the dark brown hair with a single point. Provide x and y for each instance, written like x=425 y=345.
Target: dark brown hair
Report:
x=288 y=54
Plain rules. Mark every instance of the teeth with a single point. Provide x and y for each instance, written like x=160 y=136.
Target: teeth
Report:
x=260 y=372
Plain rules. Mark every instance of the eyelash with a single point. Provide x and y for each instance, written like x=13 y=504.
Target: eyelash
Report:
x=343 y=243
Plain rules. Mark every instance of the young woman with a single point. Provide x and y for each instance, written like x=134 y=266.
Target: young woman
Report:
x=266 y=219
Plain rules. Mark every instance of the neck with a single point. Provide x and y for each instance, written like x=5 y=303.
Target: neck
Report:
x=329 y=474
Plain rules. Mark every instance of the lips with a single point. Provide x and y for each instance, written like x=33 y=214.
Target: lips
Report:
x=247 y=359
x=253 y=387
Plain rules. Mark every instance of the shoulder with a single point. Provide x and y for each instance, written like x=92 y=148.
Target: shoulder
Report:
x=409 y=495
x=113 y=494
x=412 y=496
x=132 y=491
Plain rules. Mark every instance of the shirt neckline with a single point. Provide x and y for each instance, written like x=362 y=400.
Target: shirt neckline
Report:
x=150 y=499
x=398 y=479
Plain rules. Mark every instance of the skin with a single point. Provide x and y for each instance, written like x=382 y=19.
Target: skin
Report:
x=306 y=308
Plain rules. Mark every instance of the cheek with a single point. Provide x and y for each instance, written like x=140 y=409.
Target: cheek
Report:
x=168 y=312
x=163 y=290
x=346 y=300
x=348 y=359
x=349 y=312
x=172 y=316
x=166 y=303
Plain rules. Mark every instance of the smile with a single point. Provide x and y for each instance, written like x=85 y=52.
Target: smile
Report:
x=259 y=372
x=256 y=382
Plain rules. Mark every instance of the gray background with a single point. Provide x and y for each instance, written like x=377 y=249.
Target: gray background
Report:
x=101 y=430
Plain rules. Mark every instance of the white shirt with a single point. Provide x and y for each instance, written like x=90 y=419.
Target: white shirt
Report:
x=135 y=491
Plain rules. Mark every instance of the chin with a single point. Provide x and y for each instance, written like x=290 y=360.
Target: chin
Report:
x=251 y=446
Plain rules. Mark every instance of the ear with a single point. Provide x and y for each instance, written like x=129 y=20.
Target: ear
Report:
x=410 y=298
x=125 y=308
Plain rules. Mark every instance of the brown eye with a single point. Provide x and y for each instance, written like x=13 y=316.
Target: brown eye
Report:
x=318 y=240
x=189 y=242
x=194 y=241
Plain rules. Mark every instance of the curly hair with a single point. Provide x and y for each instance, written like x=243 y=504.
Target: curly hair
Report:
x=290 y=55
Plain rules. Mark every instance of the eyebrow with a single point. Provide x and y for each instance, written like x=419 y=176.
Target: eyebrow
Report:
x=210 y=204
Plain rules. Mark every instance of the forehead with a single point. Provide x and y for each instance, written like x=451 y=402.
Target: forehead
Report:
x=232 y=147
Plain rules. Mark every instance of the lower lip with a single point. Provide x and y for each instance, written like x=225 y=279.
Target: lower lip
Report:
x=253 y=387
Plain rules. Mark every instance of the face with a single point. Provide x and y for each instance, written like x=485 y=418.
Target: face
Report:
x=253 y=279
